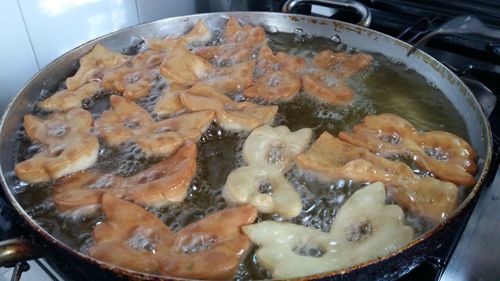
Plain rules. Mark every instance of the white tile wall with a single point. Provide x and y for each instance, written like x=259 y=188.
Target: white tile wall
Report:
x=56 y=27
x=35 y=32
x=150 y=10
x=17 y=60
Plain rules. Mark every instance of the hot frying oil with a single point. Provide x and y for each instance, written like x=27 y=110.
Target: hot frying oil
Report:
x=385 y=87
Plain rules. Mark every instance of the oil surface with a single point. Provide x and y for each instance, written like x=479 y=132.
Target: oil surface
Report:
x=385 y=87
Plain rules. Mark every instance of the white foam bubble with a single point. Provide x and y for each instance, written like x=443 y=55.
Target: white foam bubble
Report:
x=80 y=213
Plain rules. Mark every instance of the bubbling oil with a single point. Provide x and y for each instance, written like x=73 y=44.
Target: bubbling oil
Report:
x=385 y=87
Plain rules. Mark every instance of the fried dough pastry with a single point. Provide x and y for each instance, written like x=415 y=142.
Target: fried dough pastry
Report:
x=211 y=248
x=268 y=62
x=446 y=155
x=275 y=146
x=327 y=83
x=243 y=186
x=331 y=159
x=190 y=125
x=276 y=85
x=238 y=46
x=364 y=228
x=169 y=103
x=165 y=182
x=247 y=35
x=225 y=54
x=124 y=121
x=200 y=34
x=207 y=249
x=81 y=193
x=130 y=237
x=232 y=116
x=66 y=99
x=224 y=80
x=93 y=65
x=342 y=65
x=230 y=79
x=182 y=67
x=134 y=78
x=127 y=121
x=58 y=126
x=77 y=153
x=160 y=184
x=327 y=88
x=278 y=73
x=68 y=146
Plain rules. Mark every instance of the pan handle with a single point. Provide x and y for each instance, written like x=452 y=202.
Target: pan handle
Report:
x=17 y=249
x=366 y=16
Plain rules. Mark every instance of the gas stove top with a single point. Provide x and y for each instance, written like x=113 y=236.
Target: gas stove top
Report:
x=473 y=253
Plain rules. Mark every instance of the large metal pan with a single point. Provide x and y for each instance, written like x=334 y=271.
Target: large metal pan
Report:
x=388 y=267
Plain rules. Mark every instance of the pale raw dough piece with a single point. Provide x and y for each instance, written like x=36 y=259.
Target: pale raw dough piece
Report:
x=364 y=229
x=276 y=146
x=242 y=187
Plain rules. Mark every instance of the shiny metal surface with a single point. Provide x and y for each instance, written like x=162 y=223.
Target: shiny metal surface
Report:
x=240 y=5
x=355 y=36
x=459 y=25
x=366 y=16
x=13 y=251
x=477 y=255
x=483 y=94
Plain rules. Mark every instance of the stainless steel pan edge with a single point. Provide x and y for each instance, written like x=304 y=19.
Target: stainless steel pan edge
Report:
x=356 y=36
